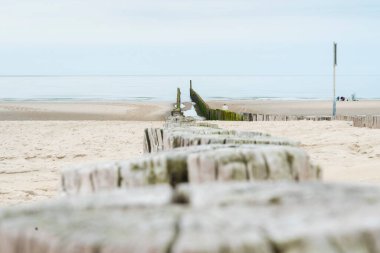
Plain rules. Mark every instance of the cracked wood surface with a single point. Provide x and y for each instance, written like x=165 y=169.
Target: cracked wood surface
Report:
x=194 y=165
x=184 y=134
x=187 y=151
x=265 y=217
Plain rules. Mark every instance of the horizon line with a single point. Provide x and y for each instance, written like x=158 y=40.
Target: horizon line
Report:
x=187 y=75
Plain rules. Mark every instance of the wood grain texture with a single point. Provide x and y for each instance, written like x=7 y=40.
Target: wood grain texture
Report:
x=197 y=164
x=214 y=217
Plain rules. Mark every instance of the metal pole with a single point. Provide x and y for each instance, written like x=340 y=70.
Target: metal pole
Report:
x=334 y=80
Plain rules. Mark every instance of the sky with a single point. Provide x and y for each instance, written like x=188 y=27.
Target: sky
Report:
x=188 y=37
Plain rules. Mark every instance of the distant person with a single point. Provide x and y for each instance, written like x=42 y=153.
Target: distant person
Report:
x=225 y=107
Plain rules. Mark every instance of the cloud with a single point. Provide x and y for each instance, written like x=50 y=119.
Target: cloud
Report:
x=94 y=22
x=187 y=36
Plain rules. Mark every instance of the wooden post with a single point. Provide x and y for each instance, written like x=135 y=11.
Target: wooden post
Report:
x=177 y=111
x=178 y=99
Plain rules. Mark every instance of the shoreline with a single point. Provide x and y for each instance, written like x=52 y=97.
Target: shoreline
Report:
x=158 y=100
x=84 y=110
x=121 y=110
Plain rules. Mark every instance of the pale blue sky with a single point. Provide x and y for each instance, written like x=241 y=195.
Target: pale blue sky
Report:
x=188 y=37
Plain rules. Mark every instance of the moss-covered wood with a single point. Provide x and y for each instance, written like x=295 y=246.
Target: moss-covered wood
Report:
x=194 y=164
x=178 y=99
x=177 y=110
x=204 y=109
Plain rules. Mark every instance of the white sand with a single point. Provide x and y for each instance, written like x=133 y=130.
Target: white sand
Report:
x=345 y=153
x=32 y=152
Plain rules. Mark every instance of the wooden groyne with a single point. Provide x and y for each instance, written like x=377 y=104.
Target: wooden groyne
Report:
x=368 y=121
x=274 y=117
x=217 y=114
x=190 y=152
x=177 y=135
x=262 y=217
x=212 y=114
x=344 y=117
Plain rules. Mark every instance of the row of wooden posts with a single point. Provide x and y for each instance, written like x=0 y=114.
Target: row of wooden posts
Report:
x=217 y=114
x=273 y=117
x=369 y=121
x=212 y=114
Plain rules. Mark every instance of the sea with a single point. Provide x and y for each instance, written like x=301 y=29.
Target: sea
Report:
x=164 y=87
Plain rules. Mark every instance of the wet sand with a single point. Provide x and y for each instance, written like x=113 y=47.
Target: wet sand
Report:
x=85 y=110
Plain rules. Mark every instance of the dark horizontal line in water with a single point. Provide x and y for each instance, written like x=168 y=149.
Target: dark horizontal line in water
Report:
x=198 y=75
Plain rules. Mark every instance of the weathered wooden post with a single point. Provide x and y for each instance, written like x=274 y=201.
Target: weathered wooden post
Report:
x=177 y=111
x=178 y=99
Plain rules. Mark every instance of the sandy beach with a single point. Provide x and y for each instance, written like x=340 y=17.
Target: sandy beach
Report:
x=33 y=151
x=345 y=153
x=301 y=107
x=85 y=110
